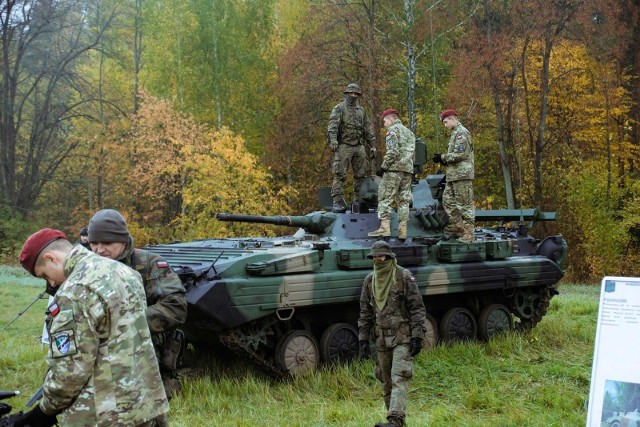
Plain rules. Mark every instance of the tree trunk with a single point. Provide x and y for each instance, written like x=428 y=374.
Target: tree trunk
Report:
x=411 y=65
x=544 y=94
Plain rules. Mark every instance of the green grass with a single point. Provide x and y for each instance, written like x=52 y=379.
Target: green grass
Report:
x=539 y=378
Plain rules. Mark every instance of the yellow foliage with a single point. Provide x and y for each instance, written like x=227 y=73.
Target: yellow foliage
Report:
x=228 y=179
x=171 y=177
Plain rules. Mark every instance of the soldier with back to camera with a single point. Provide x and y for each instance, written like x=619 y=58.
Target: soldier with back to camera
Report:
x=166 y=301
x=457 y=198
x=102 y=366
x=351 y=138
x=391 y=312
x=397 y=172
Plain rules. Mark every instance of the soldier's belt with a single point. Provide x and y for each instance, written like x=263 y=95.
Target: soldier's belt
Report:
x=389 y=332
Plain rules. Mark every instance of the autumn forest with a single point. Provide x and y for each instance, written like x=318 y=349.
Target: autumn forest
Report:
x=172 y=111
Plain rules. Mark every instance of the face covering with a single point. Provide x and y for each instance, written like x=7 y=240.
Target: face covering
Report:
x=384 y=275
x=351 y=100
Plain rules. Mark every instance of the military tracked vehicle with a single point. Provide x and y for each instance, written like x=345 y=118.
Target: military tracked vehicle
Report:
x=290 y=303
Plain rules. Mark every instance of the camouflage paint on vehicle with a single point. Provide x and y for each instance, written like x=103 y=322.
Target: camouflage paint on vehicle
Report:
x=291 y=302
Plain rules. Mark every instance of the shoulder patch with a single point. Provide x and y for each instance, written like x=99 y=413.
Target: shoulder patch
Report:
x=391 y=139
x=63 y=343
x=412 y=278
x=460 y=136
x=162 y=264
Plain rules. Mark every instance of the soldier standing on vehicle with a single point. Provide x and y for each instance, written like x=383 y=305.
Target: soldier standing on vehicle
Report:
x=396 y=171
x=351 y=138
x=166 y=301
x=102 y=367
x=392 y=312
x=457 y=198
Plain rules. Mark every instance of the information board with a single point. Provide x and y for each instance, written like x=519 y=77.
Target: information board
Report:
x=615 y=375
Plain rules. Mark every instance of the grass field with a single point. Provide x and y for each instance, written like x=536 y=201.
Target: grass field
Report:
x=539 y=378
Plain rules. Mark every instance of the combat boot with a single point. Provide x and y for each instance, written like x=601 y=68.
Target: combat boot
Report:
x=384 y=230
x=339 y=206
x=468 y=236
x=391 y=422
x=455 y=229
x=402 y=230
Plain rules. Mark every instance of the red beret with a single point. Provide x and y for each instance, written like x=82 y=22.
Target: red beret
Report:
x=447 y=113
x=35 y=244
x=389 y=111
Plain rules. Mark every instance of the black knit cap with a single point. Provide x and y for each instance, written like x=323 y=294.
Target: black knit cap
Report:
x=84 y=231
x=108 y=226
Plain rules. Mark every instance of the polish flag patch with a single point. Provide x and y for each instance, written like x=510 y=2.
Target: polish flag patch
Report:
x=162 y=264
x=54 y=309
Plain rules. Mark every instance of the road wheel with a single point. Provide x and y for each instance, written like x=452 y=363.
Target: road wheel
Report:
x=339 y=343
x=458 y=324
x=494 y=319
x=297 y=352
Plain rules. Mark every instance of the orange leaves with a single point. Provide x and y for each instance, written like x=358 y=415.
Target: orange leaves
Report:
x=174 y=175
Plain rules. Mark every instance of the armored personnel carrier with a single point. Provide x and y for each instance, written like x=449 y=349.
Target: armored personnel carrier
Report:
x=292 y=302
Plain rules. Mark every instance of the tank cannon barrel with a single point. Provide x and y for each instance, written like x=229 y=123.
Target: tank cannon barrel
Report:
x=314 y=223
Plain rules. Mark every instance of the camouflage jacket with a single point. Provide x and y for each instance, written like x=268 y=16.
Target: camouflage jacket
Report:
x=459 y=155
x=401 y=145
x=166 y=300
x=402 y=318
x=102 y=366
x=350 y=125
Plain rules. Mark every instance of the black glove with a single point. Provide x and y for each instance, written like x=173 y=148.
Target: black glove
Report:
x=380 y=172
x=34 y=418
x=416 y=346
x=365 y=353
x=437 y=158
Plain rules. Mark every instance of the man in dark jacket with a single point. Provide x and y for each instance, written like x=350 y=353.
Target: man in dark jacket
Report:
x=84 y=238
x=166 y=301
x=391 y=312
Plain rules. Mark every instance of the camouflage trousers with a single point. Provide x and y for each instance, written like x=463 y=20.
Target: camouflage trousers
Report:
x=395 y=187
x=354 y=155
x=457 y=200
x=394 y=369
x=168 y=346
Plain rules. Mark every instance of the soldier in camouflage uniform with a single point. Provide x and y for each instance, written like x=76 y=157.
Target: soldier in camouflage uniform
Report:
x=396 y=172
x=391 y=312
x=102 y=366
x=166 y=300
x=351 y=138
x=457 y=198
